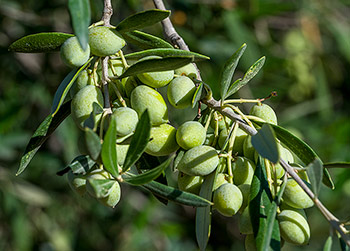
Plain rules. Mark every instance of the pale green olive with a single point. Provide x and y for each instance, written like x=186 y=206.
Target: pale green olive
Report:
x=188 y=70
x=191 y=184
x=264 y=112
x=248 y=149
x=228 y=199
x=180 y=92
x=190 y=134
x=83 y=80
x=294 y=227
x=72 y=54
x=220 y=179
x=112 y=199
x=243 y=170
x=127 y=119
x=104 y=41
x=97 y=174
x=144 y=97
x=295 y=196
x=162 y=140
x=82 y=104
x=122 y=150
x=200 y=160
x=245 y=189
x=77 y=182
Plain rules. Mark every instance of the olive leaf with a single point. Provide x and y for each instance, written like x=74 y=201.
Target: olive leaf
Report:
x=328 y=244
x=109 y=149
x=82 y=164
x=139 y=141
x=40 y=42
x=142 y=19
x=197 y=95
x=90 y=121
x=101 y=188
x=176 y=195
x=304 y=152
x=167 y=53
x=64 y=87
x=45 y=129
x=156 y=64
x=315 y=173
x=203 y=214
x=144 y=40
x=337 y=165
x=260 y=204
x=81 y=15
x=149 y=175
x=228 y=71
x=93 y=143
x=265 y=143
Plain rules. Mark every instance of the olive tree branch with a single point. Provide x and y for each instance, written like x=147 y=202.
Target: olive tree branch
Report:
x=171 y=34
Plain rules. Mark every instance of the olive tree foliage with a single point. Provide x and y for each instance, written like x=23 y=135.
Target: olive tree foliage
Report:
x=226 y=160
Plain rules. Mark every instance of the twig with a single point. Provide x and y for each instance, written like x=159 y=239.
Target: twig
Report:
x=171 y=34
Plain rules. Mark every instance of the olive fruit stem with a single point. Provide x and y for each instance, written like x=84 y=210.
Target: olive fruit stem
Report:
x=242 y=101
x=121 y=100
x=97 y=24
x=121 y=55
x=171 y=34
x=230 y=150
x=237 y=110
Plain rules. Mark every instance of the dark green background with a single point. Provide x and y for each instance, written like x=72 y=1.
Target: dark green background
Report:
x=307 y=49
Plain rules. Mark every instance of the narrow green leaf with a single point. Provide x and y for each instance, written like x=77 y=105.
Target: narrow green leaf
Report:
x=79 y=165
x=139 y=141
x=40 y=42
x=93 y=143
x=81 y=15
x=343 y=245
x=167 y=53
x=109 y=149
x=337 y=165
x=142 y=19
x=328 y=244
x=260 y=203
x=101 y=188
x=176 y=195
x=301 y=149
x=203 y=214
x=64 y=87
x=315 y=173
x=156 y=64
x=229 y=70
x=252 y=71
x=178 y=158
x=265 y=143
x=45 y=129
x=197 y=95
x=150 y=175
x=145 y=41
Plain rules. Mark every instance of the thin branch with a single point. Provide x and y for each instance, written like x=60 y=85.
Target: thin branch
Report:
x=171 y=34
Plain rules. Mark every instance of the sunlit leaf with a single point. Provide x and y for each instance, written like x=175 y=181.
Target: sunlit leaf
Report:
x=229 y=70
x=142 y=19
x=265 y=143
x=328 y=244
x=149 y=175
x=145 y=41
x=81 y=15
x=167 y=53
x=40 y=42
x=45 y=129
x=64 y=87
x=80 y=165
x=337 y=165
x=109 y=149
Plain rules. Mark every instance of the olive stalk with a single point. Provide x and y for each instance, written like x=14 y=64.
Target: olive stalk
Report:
x=171 y=34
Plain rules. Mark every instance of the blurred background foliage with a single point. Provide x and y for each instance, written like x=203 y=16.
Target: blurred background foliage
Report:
x=307 y=45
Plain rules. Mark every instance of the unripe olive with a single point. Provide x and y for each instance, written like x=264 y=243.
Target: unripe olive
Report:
x=228 y=199
x=200 y=160
x=221 y=120
x=248 y=149
x=245 y=224
x=188 y=70
x=238 y=143
x=162 y=141
x=180 y=92
x=118 y=66
x=122 y=150
x=144 y=97
x=245 y=189
x=72 y=54
x=104 y=41
x=113 y=197
x=249 y=243
x=295 y=196
x=294 y=227
x=220 y=179
x=127 y=119
x=286 y=155
x=82 y=104
x=130 y=85
x=83 y=80
x=155 y=79
x=98 y=174
x=243 y=170
x=190 y=134
x=191 y=184
x=77 y=182
x=264 y=112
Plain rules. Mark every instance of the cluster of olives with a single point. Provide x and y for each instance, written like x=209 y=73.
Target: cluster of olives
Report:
x=202 y=147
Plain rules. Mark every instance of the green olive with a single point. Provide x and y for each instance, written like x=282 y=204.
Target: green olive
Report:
x=191 y=184
x=188 y=70
x=127 y=119
x=122 y=150
x=190 y=134
x=112 y=199
x=228 y=199
x=180 y=92
x=243 y=170
x=77 y=182
x=220 y=179
x=104 y=41
x=221 y=121
x=72 y=54
x=295 y=196
x=264 y=112
x=144 y=97
x=162 y=141
x=83 y=80
x=248 y=149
